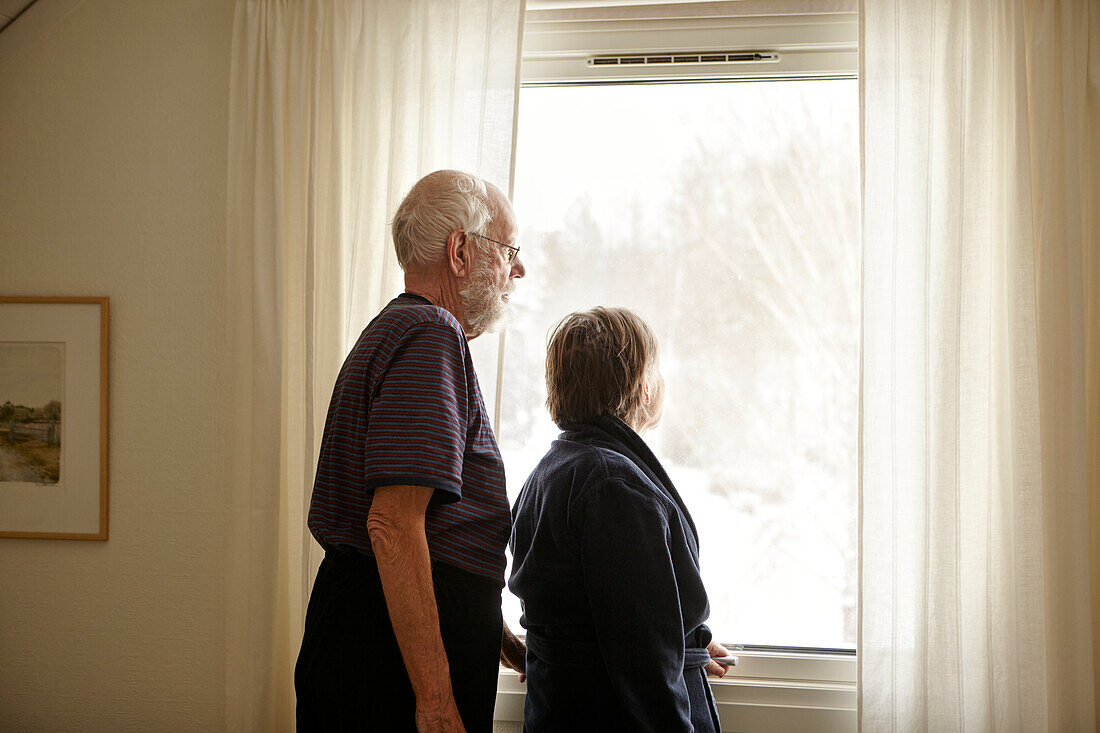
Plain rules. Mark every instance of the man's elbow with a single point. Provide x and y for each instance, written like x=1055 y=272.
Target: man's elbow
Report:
x=385 y=532
x=395 y=521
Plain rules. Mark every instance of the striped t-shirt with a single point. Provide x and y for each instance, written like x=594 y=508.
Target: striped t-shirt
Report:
x=407 y=410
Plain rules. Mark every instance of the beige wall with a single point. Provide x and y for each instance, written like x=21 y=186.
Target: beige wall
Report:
x=113 y=119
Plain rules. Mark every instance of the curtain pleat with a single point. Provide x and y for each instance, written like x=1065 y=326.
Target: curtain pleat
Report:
x=978 y=117
x=336 y=108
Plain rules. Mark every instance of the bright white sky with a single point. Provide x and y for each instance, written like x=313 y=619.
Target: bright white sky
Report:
x=665 y=120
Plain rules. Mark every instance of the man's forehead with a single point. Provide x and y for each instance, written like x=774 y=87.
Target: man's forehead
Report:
x=498 y=202
x=504 y=217
x=494 y=191
x=507 y=228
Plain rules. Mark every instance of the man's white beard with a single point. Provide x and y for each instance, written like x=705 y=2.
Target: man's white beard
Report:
x=481 y=302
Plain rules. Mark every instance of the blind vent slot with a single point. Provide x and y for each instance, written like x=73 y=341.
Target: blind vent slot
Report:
x=688 y=57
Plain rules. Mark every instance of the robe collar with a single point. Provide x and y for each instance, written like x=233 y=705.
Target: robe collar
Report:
x=614 y=434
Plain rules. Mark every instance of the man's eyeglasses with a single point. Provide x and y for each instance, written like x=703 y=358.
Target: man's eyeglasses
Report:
x=513 y=252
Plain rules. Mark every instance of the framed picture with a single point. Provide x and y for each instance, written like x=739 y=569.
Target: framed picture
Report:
x=53 y=418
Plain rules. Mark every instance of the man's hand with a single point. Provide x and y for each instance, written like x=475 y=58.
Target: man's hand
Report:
x=513 y=653
x=443 y=719
x=714 y=669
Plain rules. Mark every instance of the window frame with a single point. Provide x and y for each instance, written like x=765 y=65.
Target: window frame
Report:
x=771 y=688
x=769 y=691
x=814 y=39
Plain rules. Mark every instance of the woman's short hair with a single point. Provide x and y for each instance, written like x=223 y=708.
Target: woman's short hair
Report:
x=439 y=203
x=599 y=362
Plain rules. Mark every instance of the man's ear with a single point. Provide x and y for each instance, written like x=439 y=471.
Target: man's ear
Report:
x=458 y=253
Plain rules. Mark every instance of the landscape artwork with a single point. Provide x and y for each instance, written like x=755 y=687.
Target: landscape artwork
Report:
x=31 y=399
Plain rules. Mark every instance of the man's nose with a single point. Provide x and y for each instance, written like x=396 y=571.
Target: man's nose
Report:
x=518 y=270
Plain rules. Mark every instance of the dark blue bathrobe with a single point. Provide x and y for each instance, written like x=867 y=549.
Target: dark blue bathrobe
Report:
x=606 y=563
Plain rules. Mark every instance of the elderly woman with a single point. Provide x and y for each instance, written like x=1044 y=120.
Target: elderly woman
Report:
x=605 y=553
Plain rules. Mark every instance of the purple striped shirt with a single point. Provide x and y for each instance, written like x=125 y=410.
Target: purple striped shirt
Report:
x=407 y=410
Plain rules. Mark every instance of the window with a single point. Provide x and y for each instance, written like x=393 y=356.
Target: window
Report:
x=727 y=214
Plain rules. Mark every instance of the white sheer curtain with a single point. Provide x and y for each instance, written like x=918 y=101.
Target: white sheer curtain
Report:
x=337 y=107
x=981 y=128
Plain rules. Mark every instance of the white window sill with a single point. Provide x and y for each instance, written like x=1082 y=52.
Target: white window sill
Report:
x=767 y=691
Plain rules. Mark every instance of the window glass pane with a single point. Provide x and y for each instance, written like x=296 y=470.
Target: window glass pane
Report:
x=727 y=215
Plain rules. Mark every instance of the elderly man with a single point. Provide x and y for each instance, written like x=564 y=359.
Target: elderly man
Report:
x=404 y=629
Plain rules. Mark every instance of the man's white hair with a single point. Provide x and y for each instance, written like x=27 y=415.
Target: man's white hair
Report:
x=438 y=204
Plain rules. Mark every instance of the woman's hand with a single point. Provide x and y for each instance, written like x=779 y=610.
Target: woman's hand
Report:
x=714 y=669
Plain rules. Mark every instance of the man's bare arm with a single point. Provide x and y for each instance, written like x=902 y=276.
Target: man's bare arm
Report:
x=396 y=528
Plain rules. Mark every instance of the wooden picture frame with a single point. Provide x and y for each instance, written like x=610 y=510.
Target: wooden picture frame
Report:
x=53 y=417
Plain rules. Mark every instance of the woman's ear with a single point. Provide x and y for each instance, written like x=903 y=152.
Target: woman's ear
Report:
x=458 y=253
